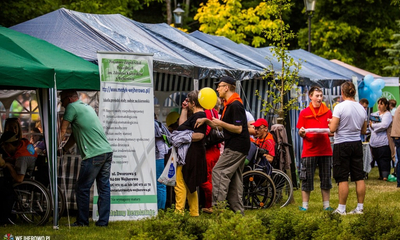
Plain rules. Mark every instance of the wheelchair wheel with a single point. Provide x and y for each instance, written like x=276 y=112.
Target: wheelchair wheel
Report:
x=258 y=190
x=61 y=201
x=284 y=187
x=32 y=202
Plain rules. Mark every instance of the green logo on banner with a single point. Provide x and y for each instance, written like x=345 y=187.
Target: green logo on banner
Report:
x=125 y=70
x=388 y=95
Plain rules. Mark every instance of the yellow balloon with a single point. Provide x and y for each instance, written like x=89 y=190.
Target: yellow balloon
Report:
x=172 y=117
x=207 y=98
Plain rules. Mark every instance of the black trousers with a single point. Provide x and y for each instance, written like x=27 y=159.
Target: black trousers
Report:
x=382 y=156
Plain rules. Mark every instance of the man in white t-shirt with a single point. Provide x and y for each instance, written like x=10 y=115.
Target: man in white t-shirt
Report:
x=250 y=121
x=348 y=121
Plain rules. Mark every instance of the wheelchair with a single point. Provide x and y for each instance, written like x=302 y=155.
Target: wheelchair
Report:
x=32 y=203
x=264 y=186
x=32 y=198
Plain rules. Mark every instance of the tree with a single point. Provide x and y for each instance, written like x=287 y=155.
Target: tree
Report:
x=355 y=32
x=282 y=82
x=14 y=12
x=229 y=19
x=394 y=56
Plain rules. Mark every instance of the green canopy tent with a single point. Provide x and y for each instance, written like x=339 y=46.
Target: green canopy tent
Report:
x=30 y=63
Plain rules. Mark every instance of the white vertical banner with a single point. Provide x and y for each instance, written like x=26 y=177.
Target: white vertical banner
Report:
x=126 y=110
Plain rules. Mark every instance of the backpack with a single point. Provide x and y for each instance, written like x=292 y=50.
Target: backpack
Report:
x=215 y=136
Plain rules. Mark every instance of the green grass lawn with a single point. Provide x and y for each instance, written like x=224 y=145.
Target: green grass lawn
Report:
x=379 y=194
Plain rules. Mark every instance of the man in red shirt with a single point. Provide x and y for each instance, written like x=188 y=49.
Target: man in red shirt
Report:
x=317 y=149
x=264 y=138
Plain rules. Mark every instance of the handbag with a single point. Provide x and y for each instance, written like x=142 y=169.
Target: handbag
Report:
x=168 y=176
x=215 y=136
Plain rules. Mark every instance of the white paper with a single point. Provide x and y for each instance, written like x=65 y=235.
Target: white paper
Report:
x=318 y=130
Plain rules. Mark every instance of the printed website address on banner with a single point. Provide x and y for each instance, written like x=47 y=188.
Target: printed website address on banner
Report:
x=124 y=111
x=130 y=190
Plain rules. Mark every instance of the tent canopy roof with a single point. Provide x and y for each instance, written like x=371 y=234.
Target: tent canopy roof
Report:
x=31 y=62
x=353 y=68
x=85 y=34
x=196 y=55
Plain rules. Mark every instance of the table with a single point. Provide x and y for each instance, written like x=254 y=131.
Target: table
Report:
x=367 y=157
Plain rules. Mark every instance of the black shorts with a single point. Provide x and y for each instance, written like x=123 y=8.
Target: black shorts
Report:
x=348 y=159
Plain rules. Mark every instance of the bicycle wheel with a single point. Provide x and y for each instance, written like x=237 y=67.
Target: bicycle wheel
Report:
x=258 y=190
x=284 y=187
x=32 y=202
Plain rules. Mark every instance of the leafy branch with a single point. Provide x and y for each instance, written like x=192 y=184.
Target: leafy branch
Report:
x=280 y=83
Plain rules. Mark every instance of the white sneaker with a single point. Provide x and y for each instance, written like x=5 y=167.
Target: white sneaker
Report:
x=337 y=211
x=357 y=211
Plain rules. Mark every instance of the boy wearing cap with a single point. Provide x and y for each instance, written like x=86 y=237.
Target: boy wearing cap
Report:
x=227 y=178
x=264 y=139
x=317 y=149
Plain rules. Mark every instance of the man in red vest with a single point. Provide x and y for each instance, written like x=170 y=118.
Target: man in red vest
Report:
x=317 y=149
x=264 y=139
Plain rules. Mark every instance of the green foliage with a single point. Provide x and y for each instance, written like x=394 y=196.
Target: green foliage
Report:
x=124 y=7
x=394 y=56
x=329 y=38
x=229 y=225
x=282 y=82
x=170 y=225
x=14 y=12
x=355 y=32
x=380 y=220
x=231 y=20
x=376 y=224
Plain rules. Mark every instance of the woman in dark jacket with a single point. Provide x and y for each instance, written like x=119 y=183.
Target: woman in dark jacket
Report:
x=194 y=171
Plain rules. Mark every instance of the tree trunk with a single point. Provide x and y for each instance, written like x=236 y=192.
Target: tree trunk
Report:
x=169 y=12
x=281 y=117
x=187 y=9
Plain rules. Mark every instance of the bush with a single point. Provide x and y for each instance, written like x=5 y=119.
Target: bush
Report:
x=275 y=223
x=170 y=225
x=377 y=223
x=229 y=225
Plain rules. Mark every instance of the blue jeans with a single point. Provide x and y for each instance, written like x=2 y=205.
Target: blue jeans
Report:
x=161 y=188
x=397 y=144
x=98 y=168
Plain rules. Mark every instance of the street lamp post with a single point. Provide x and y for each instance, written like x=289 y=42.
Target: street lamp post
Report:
x=178 y=12
x=310 y=8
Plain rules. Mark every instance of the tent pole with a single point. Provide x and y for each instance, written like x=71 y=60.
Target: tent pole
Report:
x=196 y=78
x=53 y=151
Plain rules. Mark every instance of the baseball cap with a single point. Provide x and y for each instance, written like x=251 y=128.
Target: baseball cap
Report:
x=260 y=122
x=226 y=79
